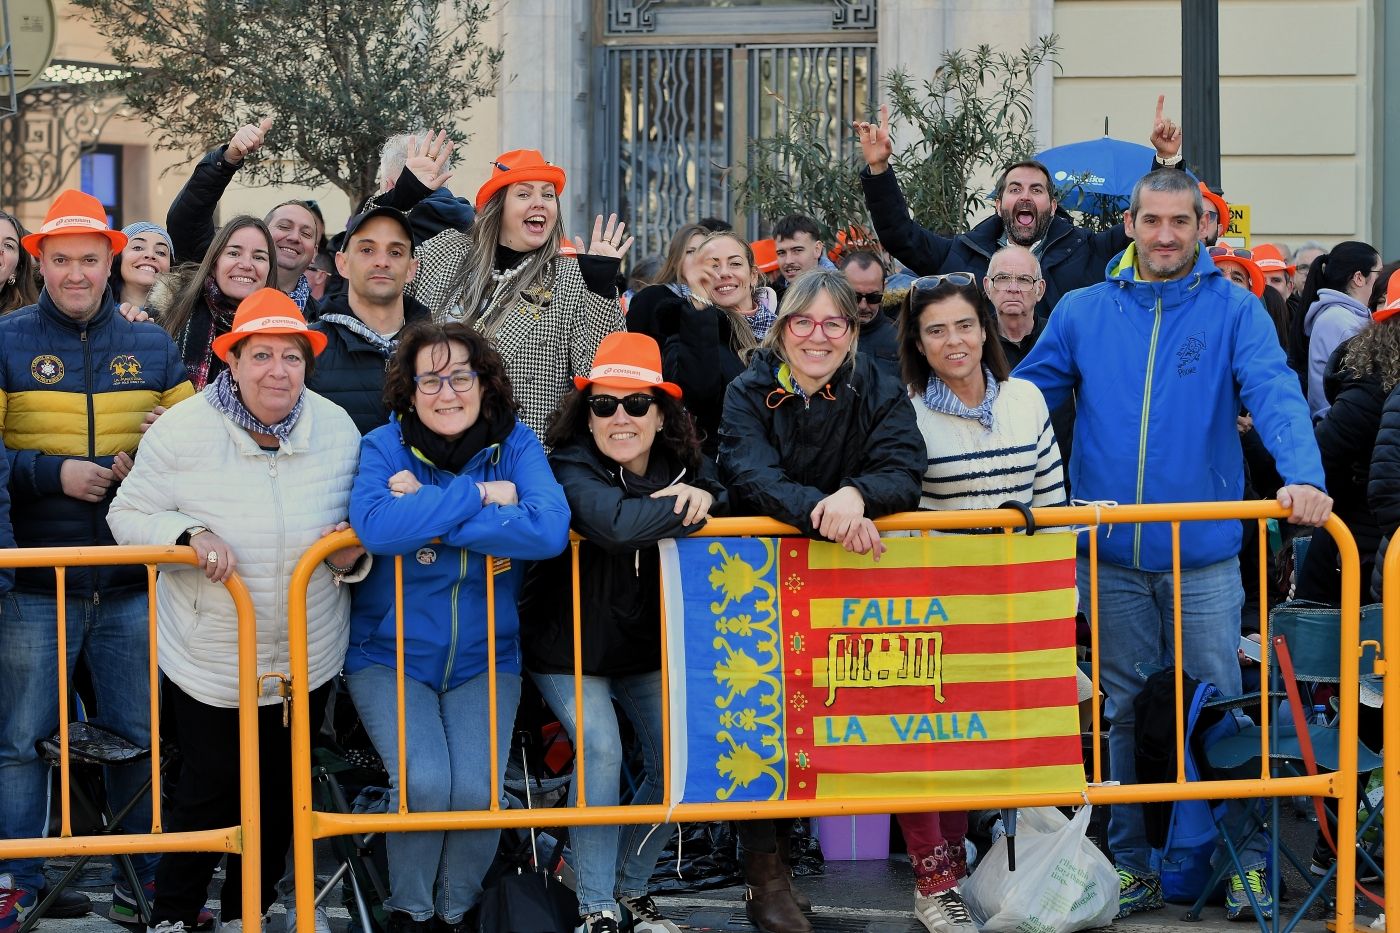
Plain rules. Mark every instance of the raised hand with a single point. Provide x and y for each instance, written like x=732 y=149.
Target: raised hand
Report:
x=875 y=142
x=1166 y=134
x=248 y=140
x=429 y=157
x=608 y=242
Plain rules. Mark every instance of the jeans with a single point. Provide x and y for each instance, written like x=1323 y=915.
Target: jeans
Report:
x=449 y=768
x=111 y=634
x=612 y=861
x=1136 y=622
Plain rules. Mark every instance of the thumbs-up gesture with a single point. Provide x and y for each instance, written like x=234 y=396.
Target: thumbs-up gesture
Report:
x=247 y=140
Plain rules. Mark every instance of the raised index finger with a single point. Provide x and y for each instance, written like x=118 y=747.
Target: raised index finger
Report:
x=1161 y=99
x=885 y=117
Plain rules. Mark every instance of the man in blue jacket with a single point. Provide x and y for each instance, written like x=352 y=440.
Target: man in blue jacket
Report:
x=1160 y=356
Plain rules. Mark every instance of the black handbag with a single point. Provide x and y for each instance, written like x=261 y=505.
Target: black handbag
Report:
x=531 y=898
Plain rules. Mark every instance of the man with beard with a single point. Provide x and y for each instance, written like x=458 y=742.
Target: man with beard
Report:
x=1160 y=357
x=1027 y=214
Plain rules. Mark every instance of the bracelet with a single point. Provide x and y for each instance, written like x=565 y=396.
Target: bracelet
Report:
x=338 y=571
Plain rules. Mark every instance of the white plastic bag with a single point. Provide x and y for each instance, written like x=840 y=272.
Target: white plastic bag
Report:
x=1062 y=882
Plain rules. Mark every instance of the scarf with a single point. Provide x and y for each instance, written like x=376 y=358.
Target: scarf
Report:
x=679 y=288
x=301 y=292
x=385 y=345
x=938 y=397
x=454 y=455
x=197 y=339
x=222 y=393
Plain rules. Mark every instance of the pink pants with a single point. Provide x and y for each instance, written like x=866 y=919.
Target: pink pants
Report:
x=935 y=845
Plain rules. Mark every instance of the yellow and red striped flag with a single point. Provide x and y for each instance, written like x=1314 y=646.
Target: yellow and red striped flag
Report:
x=800 y=671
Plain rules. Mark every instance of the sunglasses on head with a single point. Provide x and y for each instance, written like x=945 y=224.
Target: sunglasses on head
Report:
x=927 y=283
x=636 y=405
x=1224 y=251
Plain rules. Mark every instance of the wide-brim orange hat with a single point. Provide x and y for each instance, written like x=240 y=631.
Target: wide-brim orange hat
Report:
x=1222 y=207
x=1392 y=299
x=627 y=361
x=1269 y=258
x=1256 y=278
x=519 y=165
x=74 y=212
x=267 y=311
x=765 y=255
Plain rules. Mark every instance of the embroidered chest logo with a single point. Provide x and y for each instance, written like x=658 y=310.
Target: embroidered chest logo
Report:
x=1189 y=354
x=47 y=369
x=426 y=556
x=125 y=370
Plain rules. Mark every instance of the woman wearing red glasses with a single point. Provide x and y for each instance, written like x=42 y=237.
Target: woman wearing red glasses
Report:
x=821 y=438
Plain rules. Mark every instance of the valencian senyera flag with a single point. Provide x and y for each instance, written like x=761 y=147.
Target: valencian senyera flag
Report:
x=799 y=671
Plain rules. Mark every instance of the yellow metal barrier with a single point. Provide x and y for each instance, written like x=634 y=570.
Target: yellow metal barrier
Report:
x=310 y=825
x=244 y=839
x=1390 y=708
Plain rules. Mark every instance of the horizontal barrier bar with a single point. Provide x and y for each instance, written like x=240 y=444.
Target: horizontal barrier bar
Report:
x=203 y=840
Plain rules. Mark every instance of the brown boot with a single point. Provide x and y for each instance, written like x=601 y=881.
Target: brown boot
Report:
x=804 y=903
x=768 y=901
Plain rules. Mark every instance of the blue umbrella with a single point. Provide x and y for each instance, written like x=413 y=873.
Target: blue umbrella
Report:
x=1096 y=171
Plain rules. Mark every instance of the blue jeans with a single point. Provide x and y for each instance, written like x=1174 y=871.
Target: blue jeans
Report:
x=612 y=861
x=111 y=635
x=449 y=768
x=1136 y=622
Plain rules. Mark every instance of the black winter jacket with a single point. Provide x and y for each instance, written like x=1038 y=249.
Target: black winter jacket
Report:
x=1383 y=489
x=1072 y=258
x=1346 y=437
x=695 y=353
x=879 y=339
x=780 y=455
x=619 y=566
x=350 y=371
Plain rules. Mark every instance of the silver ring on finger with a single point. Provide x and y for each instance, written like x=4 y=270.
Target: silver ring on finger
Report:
x=212 y=557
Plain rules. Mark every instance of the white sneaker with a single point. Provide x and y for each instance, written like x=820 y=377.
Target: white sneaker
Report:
x=944 y=912
x=646 y=916
x=601 y=922
x=167 y=926
x=323 y=920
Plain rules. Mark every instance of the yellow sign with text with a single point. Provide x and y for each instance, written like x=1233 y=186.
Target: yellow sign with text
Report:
x=1237 y=234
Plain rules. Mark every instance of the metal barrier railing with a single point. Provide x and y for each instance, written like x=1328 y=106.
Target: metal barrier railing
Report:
x=1390 y=705
x=244 y=839
x=311 y=825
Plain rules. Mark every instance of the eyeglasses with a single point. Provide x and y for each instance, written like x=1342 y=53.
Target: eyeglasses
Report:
x=927 y=283
x=636 y=405
x=1230 y=251
x=1004 y=281
x=870 y=298
x=834 y=327
x=461 y=381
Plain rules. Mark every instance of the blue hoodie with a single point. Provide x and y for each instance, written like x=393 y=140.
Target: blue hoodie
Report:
x=1159 y=370
x=444 y=584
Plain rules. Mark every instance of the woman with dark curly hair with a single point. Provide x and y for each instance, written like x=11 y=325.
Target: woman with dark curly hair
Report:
x=18 y=287
x=453 y=464
x=630 y=463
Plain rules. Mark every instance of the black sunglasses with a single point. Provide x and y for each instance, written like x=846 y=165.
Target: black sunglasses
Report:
x=870 y=298
x=636 y=405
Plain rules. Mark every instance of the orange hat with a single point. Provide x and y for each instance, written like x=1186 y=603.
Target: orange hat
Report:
x=1244 y=259
x=1392 y=299
x=765 y=255
x=267 y=311
x=1268 y=258
x=627 y=361
x=74 y=212
x=1222 y=208
x=519 y=165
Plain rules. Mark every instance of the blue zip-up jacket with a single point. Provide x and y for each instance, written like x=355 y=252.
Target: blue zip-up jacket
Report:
x=1159 y=370
x=444 y=584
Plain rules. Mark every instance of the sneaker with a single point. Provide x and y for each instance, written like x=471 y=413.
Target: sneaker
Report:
x=124 y=909
x=1137 y=893
x=1323 y=860
x=323 y=920
x=169 y=926
x=943 y=912
x=646 y=917
x=1237 y=904
x=14 y=904
x=69 y=905
x=601 y=922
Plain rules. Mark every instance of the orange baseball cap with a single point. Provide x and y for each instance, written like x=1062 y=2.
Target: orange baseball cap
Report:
x=1243 y=258
x=1222 y=208
x=519 y=165
x=765 y=255
x=267 y=311
x=74 y=212
x=1392 y=299
x=627 y=361
x=1269 y=259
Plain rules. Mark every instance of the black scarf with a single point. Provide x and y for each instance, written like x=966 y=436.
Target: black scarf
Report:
x=454 y=455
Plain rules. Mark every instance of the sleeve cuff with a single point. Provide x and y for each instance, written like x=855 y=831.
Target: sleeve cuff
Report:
x=600 y=274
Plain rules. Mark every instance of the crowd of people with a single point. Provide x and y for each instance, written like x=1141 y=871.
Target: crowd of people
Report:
x=458 y=380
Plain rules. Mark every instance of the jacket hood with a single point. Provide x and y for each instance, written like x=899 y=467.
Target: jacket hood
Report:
x=167 y=288
x=339 y=303
x=1122 y=269
x=1328 y=298
x=439 y=211
x=663 y=467
x=985 y=238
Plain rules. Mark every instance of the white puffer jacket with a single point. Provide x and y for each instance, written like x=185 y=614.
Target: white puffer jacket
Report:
x=196 y=467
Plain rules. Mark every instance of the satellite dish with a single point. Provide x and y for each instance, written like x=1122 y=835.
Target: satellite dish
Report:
x=29 y=26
